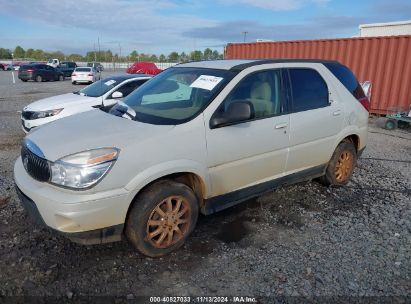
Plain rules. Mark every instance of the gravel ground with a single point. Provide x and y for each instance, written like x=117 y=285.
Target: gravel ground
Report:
x=302 y=240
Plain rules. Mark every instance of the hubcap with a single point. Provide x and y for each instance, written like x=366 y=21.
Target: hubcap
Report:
x=344 y=166
x=168 y=222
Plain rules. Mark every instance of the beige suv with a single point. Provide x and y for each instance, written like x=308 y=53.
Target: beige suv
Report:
x=199 y=137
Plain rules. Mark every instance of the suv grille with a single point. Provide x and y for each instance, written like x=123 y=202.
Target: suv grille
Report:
x=37 y=167
x=27 y=114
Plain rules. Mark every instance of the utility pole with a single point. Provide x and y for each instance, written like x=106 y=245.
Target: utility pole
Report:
x=245 y=34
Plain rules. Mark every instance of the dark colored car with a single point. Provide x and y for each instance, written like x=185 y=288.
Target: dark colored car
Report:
x=67 y=67
x=96 y=65
x=4 y=67
x=39 y=72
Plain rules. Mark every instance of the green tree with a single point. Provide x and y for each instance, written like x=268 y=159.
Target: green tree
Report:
x=153 y=58
x=19 y=52
x=30 y=54
x=184 y=57
x=38 y=55
x=162 y=58
x=173 y=57
x=208 y=54
x=75 y=57
x=134 y=56
x=215 y=55
x=5 y=53
x=196 y=55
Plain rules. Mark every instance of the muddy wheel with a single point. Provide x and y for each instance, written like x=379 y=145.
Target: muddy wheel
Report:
x=341 y=165
x=161 y=218
x=39 y=78
x=391 y=124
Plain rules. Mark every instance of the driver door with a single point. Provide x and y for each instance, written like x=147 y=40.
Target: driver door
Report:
x=248 y=153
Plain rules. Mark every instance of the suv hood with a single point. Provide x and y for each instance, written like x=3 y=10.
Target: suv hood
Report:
x=91 y=130
x=60 y=101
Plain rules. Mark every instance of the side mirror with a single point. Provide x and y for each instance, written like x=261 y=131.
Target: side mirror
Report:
x=117 y=94
x=237 y=111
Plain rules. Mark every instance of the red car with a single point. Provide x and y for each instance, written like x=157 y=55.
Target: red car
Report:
x=144 y=67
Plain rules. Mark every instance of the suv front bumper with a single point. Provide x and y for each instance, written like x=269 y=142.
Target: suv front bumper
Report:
x=86 y=218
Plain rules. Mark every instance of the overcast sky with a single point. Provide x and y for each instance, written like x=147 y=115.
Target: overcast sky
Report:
x=163 y=26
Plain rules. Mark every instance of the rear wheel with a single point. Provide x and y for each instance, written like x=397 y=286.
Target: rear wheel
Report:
x=24 y=80
x=73 y=82
x=61 y=78
x=341 y=165
x=39 y=78
x=161 y=218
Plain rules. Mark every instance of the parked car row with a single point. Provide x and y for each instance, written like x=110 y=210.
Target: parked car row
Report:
x=198 y=137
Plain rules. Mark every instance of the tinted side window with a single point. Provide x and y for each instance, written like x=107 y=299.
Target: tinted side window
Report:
x=130 y=87
x=347 y=78
x=262 y=90
x=308 y=90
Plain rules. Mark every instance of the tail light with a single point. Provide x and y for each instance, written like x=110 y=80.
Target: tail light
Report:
x=30 y=70
x=365 y=103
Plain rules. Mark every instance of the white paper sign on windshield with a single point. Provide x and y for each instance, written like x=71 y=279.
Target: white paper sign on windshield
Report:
x=110 y=82
x=206 y=82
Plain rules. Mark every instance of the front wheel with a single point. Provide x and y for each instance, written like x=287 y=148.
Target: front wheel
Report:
x=73 y=82
x=341 y=165
x=61 y=77
x=39 y=78
x=161 y=218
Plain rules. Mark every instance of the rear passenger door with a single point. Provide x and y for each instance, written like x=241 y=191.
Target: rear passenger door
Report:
x=316 y=118
x=50 y=72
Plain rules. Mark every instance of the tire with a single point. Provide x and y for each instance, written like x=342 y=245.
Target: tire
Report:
x=23 y=80
x=73 y=82
x=391 y=124
x=61 y=77
x=341 y=165
x=152 y=205
x=39 y=78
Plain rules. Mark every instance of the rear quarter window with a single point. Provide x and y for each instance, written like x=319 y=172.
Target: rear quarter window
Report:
x=347 y=78
x=308 y=89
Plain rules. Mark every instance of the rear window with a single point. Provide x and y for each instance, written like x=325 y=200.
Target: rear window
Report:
x=347 y=78
x=309 y=90
x=83 y=69
x=25 y=67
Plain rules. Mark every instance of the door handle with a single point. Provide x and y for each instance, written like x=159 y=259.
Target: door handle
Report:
x=336 y=113
x=281 y=125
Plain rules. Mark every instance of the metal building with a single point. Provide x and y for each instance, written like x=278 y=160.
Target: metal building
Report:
x=385 y=29
x=385 y=61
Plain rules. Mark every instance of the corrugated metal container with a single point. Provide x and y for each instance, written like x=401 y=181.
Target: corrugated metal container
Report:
x=385 y=61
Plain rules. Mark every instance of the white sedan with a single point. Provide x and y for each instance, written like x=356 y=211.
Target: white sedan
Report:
x=85 y=75
x=103 y=93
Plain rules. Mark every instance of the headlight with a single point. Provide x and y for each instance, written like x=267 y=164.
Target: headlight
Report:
x=44 y=114
x=83 y=170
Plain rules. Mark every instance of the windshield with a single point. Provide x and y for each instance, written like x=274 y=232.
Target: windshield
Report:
x=83 y=69
x=177 y=94
x=99 y=88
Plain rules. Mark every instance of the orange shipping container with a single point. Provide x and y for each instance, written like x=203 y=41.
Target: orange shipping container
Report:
x=385 y=61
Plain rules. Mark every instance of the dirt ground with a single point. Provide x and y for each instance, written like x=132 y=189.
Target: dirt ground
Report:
x=304 y=240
